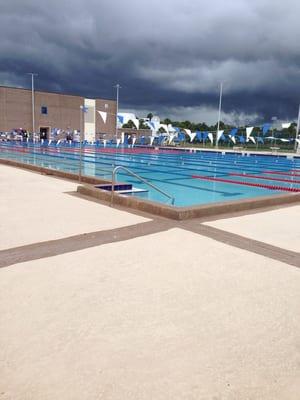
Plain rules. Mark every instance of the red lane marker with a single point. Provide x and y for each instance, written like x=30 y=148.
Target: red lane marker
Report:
x=266 y=178
x=99 y=150
x=271 y=187
x=280 y=173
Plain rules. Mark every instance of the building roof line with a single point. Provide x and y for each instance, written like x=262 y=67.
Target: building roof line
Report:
x=53 y=92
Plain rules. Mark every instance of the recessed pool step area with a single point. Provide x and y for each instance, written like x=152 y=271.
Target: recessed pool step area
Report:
x=122 y=188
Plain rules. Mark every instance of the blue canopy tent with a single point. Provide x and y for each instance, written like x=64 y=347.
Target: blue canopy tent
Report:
x=199 y=136
x=181 y=137
x=266 y=128
x=204 y=136
x=223 y=138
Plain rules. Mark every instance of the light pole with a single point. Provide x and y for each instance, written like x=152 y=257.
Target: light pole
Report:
x=83 y=109
x=32 y=100
x=297 y=131
x=118 y=87
x=219 y=116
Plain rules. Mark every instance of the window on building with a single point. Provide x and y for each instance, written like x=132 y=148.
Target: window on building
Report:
x=44 y=110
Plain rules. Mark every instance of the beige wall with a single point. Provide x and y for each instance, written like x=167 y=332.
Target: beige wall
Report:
x=63 y=111
x=109 y=106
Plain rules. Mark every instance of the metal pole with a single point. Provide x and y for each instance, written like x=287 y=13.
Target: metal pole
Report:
x=113 y=180
x=80 y=144
x=32 y=100
x=297 y=130
x=220 y=107
x=118 y=87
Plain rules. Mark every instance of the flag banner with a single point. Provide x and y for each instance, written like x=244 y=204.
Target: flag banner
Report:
x=133 y=141
x=233 y=132
x=219 y=135
x=210 y=137
x=286 y=125
x=192 y=137
x=156 y=125
x=118 y=142
x=266 y=128
x=103 y=115
x=150 y=125
x=164 y=127
x=151 y=140
x=120 y=119
x=252 y=139
x=204 y=135
x=171 y=128
x=190 y=134
x=249 y=131
x=136 y=123
x=199 y=135
x=233 y=139
x=104 y=142
x=171 y=138
x=181 y=136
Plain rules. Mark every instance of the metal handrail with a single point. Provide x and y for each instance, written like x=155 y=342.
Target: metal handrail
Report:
x=113 y=181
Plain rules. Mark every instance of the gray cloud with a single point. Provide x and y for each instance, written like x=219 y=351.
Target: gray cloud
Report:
x=168 y=55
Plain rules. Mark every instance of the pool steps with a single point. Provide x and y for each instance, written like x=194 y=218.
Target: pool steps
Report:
x=122 y=188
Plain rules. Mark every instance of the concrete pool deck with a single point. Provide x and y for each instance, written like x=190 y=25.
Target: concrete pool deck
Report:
x=139 y=307
x=36 y=208
x=280 y=227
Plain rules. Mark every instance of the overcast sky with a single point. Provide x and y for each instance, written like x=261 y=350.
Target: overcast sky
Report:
x=168 y=55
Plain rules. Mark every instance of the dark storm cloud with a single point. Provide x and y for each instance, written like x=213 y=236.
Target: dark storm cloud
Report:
x=167 y=55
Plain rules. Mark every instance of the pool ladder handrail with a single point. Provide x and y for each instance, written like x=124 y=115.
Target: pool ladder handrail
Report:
x=113 y=182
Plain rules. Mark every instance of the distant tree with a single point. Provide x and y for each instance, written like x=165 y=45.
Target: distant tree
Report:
x=167 y=121
x=201 y=126
x=215 y=127
x=150 y=116
x=256 y=131
x=129 y=125
x=185 y=125
x=143 y=125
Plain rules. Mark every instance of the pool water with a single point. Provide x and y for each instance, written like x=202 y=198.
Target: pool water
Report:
x=192 y=178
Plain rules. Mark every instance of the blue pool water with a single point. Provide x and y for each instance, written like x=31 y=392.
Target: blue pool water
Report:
x=182 y=174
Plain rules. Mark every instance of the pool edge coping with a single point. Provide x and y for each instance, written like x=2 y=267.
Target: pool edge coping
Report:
x=192 y=212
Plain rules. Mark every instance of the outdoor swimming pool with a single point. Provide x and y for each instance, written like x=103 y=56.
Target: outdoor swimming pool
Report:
x=192 y=178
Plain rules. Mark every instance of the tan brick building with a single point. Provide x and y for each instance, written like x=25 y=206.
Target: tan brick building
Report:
x=54 y=110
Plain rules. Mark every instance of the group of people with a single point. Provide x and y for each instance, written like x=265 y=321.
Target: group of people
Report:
x=24 y=135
